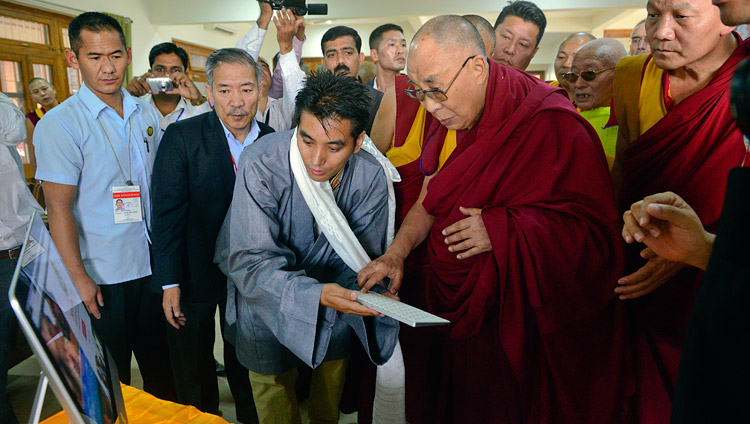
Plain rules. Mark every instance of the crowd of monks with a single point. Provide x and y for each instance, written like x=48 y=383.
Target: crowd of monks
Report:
x=510 y=215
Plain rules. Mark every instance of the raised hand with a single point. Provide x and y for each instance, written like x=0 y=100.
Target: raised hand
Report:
x=670 y=228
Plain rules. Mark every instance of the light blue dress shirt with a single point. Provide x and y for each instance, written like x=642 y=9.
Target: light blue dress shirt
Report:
x=71 y=148
x=235 y=146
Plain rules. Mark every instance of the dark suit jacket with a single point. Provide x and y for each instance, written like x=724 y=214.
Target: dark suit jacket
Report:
x=375 y=98
x=192 y=188
x=371 y=83
x=712 y=386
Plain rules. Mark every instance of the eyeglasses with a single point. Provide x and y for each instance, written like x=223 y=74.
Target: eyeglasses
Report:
x=435 y=94
x=572 y=77
x=638 y=40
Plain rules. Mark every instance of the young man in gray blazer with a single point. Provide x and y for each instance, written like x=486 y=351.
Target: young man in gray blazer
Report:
x=290 y=292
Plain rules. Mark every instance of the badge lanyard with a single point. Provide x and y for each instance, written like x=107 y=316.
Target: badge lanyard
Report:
x=176 y=120
x=129 y=180
x=234 y=164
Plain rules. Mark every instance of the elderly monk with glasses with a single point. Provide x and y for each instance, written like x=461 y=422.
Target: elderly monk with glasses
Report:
x=591 y=80
x=524 y=194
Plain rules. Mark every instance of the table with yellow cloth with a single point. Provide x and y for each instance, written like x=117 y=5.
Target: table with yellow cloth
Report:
x=143 y=408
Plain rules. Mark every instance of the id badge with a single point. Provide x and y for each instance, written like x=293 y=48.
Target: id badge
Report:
x=126 y=201
x=33 y=250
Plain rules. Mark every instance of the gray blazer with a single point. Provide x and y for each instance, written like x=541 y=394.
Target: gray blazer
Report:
x=277 y=265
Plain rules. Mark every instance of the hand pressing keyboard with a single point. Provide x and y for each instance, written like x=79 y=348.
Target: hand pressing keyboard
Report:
x=399 y=311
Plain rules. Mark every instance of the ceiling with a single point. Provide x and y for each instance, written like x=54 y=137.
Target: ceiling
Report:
x=563 y=16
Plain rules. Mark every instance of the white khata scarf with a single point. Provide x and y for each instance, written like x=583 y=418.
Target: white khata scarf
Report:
x=389 y=405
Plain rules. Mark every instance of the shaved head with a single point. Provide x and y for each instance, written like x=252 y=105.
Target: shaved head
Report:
x=599 y=56
x=734 y=12
x=607 y=50
x=564 y=58
x=447 y=55
x=638 y=41
x=641 y=22
x=578 y=37
x=486 y=31
x=451 y=32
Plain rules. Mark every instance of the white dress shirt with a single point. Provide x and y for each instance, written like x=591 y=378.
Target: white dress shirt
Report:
x=280 y=112
x=252 y=42
x=16 y=202
x=184 y=110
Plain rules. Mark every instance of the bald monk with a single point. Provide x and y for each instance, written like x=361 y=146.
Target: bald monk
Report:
x=564 y=58
x=534 y=330
x=676 y=133
x=591 y=78
x=486 y=31
x=638 y=41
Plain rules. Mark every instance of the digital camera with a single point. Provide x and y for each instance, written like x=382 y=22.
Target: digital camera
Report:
x=160 y=85
x=300 y=8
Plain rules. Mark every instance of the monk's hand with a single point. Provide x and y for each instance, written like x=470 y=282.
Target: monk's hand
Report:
x=469 y=235
x=170 y=303
x=389 y=265
x=343 y=300
x=670 y=227
x=649 y=277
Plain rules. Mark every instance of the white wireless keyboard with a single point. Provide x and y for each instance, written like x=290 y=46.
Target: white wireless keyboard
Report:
x=399 y=311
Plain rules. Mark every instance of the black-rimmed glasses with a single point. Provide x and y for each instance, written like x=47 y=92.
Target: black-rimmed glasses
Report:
x=435 y=94
x=572 y=77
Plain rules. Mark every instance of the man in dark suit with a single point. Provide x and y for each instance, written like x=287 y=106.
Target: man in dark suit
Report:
x=193 y=181
x=342 y=54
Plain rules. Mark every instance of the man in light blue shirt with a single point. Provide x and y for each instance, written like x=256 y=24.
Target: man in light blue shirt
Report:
x=96 y=148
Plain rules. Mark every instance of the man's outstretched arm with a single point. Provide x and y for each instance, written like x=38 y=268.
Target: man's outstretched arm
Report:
x=413 y=231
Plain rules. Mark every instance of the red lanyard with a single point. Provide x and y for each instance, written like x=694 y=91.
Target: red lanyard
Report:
x=233 y=163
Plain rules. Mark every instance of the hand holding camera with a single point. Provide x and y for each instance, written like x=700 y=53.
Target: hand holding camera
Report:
x=287 y=25
x=176 y=83
x=138 y=86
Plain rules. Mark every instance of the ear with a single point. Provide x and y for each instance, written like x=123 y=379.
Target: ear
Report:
x=209 y=94
x=72 y=59
x=358 y=142
x=535 y=50
x=481 y=68
x=374 y=55
x=726 y=30
x=361 y=58
x=130 y=55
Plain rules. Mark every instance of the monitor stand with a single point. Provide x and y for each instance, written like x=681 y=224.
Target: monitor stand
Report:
x=41 y=391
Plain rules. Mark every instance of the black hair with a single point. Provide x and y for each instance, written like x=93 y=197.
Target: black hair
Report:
x=230 y=55
x=167 y=48
x=334 y=96
x=527 y=11
x=276 y=60
x=377 y=34
x=94 y=22
x=337 y=32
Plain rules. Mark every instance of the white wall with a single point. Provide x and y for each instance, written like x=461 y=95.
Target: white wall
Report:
x=146 y=34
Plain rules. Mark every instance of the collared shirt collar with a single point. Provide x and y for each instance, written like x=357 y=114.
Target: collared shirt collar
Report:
x=181 y=105
x=251 y=136
x=95 y=105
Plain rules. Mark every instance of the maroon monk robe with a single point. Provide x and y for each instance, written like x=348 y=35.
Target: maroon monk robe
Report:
x=421 y=347
x=537 y=335
x=690 y=152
